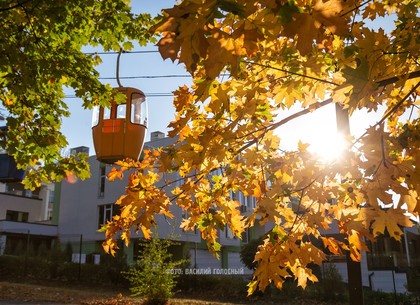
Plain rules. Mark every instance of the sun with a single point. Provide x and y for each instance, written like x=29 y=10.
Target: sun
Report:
x=328 y=147
x=319 y=130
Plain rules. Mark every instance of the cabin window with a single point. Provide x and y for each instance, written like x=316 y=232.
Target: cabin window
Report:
x=138 y=109
x=107 y=113
x=95 y=115
x=121 y=111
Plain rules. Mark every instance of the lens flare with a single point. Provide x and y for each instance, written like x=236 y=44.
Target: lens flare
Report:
x=71 y=177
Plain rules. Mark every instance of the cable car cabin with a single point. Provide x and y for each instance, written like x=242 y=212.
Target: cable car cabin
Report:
x=119 y=132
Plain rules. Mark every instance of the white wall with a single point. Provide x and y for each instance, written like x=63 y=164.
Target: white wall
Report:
x=21 y=204
x=234 y=262
x=204 y=259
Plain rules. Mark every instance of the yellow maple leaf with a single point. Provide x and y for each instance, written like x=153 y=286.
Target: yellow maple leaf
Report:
x=332 y=245
x=411 y=199
x=310 y=26
x=146 y=232
x=356 y=245
x=391 y=220
x=114 y=174
x=252 y=287
x=303 y=275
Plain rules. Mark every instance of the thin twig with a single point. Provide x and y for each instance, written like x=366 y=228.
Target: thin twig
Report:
x=391 y=111
x=292 y=73
x=18 y=5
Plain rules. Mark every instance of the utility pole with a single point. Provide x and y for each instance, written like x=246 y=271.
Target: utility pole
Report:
x=354 y=270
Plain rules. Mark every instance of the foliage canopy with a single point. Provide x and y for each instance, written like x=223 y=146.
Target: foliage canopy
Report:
x=278 y=54
x=42 y=54
x=250 y=62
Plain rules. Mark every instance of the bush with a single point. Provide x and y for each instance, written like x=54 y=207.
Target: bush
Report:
x=385 y=298
x=248 y=252
x=53 y=267
x=11 y=266
x=331 y=285
x=151 y=276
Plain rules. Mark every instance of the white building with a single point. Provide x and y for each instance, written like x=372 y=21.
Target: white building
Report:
x=86 y=205
x=26 y=219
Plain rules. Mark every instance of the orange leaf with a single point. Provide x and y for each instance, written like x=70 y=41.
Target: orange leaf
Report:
x=309 y=26
x=391 y=220
x=114 y=173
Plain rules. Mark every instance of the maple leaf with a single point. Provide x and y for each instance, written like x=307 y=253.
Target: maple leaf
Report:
x=411 y=200
x=169 y=47
x=332 y=245
x=114 y=174
x=391 y=220
x=356 y=245
x=310 y=26
x=303 y=275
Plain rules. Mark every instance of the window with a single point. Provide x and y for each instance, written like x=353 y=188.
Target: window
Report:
x=386 y=253
x=102 y=179
x=250 y=202
x=95 y=115
x=17 y=216
x=106 y=212
x=229 y=233
x=107 y=113
x=138 y=109
x=121 y=111
x=247 y=202
x=51 y=197
x=51 y=204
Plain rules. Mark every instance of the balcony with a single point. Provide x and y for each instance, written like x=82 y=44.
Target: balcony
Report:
x=16 y=227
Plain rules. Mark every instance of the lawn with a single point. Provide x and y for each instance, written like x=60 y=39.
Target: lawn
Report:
x=53 y=292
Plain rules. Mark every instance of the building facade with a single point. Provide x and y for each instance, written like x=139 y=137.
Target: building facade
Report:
x=86 y=205
x=26 y=221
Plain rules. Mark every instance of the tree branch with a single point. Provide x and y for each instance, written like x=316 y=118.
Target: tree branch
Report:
x=288 y=119
x=391 y=111
x=291 y=73
x=14 y=6
x=394 y=79
x=380 y=83
x=355 y=8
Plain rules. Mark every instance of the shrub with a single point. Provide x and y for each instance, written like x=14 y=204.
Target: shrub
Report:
x=331 y=285
x=385 y=298
x=248 y=252
x=151 y=275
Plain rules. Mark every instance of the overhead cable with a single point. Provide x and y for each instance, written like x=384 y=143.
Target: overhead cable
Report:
x=147 y=95
x=115 y=53
x=148 y=76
